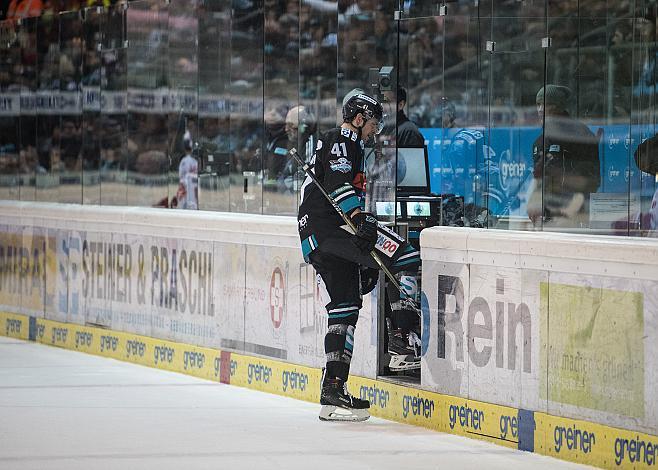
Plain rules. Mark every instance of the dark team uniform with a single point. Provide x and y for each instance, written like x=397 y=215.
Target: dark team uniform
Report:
x=339 y=166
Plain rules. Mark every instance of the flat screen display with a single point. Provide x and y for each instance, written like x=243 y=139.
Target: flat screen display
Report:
x=386 y=208
x=412 y=171
x=418 y=209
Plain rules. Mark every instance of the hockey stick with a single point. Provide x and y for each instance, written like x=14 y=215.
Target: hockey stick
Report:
x=307 y=169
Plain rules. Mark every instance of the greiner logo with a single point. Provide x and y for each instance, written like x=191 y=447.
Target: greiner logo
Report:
x=109 y=342
x=83 y=339
x=375 y=395
x=635 y=450
x=233 y=366
x=506 y=312
x=163 y=354
x=466 y=416
x=13 y=326
x=193 y=359
x=509 y=425
x=293 y=380
x=417 y=406
x=511 y=172
x=574 y=438
x=59 y=335
x=258 y=373
x=135 y=348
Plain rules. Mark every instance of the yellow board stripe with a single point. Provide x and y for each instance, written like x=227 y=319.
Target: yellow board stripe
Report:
x=564 y=438
x=14 y=326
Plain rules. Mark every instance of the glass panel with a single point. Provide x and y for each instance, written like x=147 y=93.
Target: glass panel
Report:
x=246 y=91
x=47 y=113
x=92 y=146
x=642 y=181
x=357 y=64
x=10 y=63
x=281 y=92
x=416 y=9
x=461 y=112
x=72 y=150
x=502 y=181
x=148 y=162
x=422 y=58
x=28 y=157
x=572 y=104
x=183 y=131
x=214 y=69
x=113 y=120
x=317 y=87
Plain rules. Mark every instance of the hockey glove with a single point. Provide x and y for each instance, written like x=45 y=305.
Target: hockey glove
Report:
x=366 y=231
x=369 y=278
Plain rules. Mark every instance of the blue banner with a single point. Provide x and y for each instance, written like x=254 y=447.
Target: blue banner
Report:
x=466 y=161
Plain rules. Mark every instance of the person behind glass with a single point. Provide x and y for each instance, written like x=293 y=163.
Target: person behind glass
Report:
x=300 y=128
x=408 y=134
x=276 y=148
x=566 y=164
x=472 y=170
x=188 y=177
x=345 y=269
x=646 y=159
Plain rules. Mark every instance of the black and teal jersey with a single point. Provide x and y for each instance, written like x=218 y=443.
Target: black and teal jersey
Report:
x=339 y=166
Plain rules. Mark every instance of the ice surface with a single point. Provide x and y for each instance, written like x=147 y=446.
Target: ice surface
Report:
x=62 y=409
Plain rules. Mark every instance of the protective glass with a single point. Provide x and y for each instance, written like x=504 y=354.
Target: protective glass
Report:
x=379 y=126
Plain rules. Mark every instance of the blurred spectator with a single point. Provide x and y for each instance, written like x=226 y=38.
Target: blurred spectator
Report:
x=301 y=128
x=24 y=9
x=187 y=196
x=408 y=134
x=70 y=144
x=276 y=147
x=647 y=84
x=646 y=159
x=566 y=163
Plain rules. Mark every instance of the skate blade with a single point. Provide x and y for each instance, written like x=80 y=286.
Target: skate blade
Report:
x=399 y=363
x=336 y=413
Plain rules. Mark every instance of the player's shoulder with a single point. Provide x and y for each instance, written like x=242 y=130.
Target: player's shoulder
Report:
x=341 y=134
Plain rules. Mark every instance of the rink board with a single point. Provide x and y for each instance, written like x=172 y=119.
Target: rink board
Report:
x=563 y=438
x=233 y=281
x=529 y=339
x=565 y=325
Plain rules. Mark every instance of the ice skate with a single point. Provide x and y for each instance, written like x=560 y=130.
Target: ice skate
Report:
x=404 y=349
x=339 y=405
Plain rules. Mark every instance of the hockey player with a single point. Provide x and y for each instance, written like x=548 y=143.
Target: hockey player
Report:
x=345 y=269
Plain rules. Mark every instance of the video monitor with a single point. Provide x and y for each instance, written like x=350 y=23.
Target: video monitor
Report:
x=418 y=209
x=386 y=208
x=412 y=171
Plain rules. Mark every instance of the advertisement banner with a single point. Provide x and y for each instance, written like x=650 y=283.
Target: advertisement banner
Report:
x=269 y=315
x=231 y=290
x=304 y=297
x=596 y=350
x=27 y=269
x=483 y=326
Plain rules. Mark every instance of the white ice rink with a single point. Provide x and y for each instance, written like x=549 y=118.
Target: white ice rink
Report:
x=61 y=409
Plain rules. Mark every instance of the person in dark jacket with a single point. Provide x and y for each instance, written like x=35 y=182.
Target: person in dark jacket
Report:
x=408 y=134
x=566 y=164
